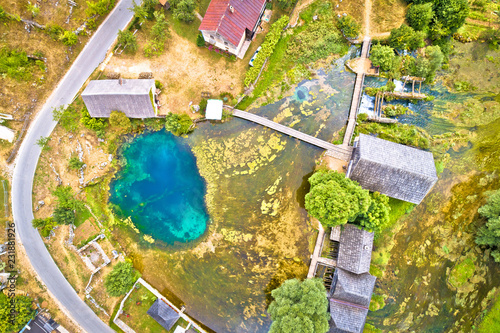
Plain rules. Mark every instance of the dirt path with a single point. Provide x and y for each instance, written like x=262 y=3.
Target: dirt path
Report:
x=295 y=15
x=368 y=10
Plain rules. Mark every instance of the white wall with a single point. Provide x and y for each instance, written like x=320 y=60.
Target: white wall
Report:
x=220 y=41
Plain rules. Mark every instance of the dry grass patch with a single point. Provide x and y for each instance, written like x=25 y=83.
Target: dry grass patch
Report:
x=387 y=15
x=86 y=231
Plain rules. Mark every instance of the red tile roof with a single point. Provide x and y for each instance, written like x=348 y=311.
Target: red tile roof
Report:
x=231 y=25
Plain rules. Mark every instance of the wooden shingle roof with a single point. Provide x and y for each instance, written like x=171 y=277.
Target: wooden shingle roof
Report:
x=132 y=97
x=395 y=170
x=163 y=314
x=355 y=249
x=346 y=318
x=353 y=288
x=231 y=24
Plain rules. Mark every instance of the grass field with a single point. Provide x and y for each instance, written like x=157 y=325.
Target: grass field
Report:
x=491 y=322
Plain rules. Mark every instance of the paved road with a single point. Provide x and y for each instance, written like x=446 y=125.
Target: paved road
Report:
x=22 y=183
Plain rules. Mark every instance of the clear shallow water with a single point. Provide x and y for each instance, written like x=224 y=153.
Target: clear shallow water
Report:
x=161 y=189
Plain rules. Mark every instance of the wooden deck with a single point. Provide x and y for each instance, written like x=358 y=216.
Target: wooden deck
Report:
x=337 y=151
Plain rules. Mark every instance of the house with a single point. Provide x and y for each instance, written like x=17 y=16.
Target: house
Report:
x=163 y=314
x=214 y=109
x=398 y=171
x=231 y=24
x=352 y=285
x=355 y=249
x=135 y=98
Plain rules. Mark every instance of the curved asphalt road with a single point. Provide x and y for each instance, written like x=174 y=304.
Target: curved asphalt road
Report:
x=22 y=182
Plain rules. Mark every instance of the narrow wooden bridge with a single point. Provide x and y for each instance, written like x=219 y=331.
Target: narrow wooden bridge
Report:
x=341 y=152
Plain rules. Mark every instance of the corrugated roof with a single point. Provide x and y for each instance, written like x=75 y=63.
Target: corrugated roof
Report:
x=355 y=249
x=232 y=24
x=393 y=169
x=131 y=97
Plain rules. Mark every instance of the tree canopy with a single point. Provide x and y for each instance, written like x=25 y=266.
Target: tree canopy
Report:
x=377 y=216
x=178 y=124
x=120 y=121
x=299 y=307
x=23 y=312
x=349 y=26
x=119 y=281
x=183 y=10
x=427 y=65
x=383 y=56
x=334 y=199
x=489 y=234
x=419 y=16
x=128 y=39
x=405 y=38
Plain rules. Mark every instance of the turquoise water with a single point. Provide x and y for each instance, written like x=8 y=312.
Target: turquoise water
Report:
x=161 y=189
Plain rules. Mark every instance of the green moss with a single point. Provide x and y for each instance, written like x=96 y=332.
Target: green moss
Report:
x=377 y=302
x=491 y=322
x=462 y=272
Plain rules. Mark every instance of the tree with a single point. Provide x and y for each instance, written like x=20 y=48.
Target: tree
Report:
x=96 y=124
x=489 y=234
x=419 y=16
x=382 y=56
x=184 y=10
x=284 y=4
x=120 y=121
x=140 y=12
x=451 y=13
x=23 y=312
x=405 y=38
x=119 y=281
x=178 y=124
x=377 y=216
x=349 y=26
x=426 y=66
x=334 y=199
x=44 y=225
x=299 y=307
x=128 y=39
x=68 y=38
x=64 y=215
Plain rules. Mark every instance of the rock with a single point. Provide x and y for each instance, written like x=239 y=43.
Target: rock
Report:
x=110 y=157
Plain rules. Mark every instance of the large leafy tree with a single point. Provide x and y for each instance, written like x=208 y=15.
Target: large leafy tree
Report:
x=299 y=307
x=405 y=38
x=349 y=26
x=419 y=16
x=451 y=13
x=489 y=234
x=377 y=216
x=183 y=10
x=23 y=312
x=178 y=124
x=383 y=56
x=426 y=66
x=334 y=199
x=119 y=281
x=128 y=39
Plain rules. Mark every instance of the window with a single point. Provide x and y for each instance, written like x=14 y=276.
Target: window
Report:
x=212 y=37
x=225 y=43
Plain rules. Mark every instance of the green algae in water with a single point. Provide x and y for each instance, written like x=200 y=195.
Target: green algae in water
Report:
x=161 y=189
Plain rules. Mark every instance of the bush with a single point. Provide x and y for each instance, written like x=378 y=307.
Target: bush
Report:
x=349 y=26
x=158 y=85
x=200 y=41
x=284 y=4
x=68 y=38
x=96 y=124
x=23 y=310
x=489 y=234
x=382 y=56
x=203 y=106
x=119 y=281
x=178 y=124
x=45 y=226
x=405 y=38
x=101 y=7
x=54 y=31
x=74 y=163
x=362 y=117
x=120 y=121
x=68 y=118
x=183 y=10
x=272 y=38
x=15 y=64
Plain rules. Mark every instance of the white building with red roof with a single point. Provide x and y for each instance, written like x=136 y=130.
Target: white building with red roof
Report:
x=231 y=24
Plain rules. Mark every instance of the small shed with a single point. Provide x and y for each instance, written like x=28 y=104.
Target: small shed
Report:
x=346 y=317
x=135 y=98
x=165 y=4
x=355 y=249
x=396 y=170
x=353 y=288
x=214 y=109
x=163 y=314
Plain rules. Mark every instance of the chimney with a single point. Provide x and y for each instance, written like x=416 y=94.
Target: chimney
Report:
x=231 y=8
x=120 y=81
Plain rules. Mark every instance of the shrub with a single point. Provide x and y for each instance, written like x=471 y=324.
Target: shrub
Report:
x=68 y=118
x=405 y=38
x=15 y=64
x=45 y=226
x=54 y=31
x=96 y=124
x=158 y=84
x=74 y=163
x=32 y=9
x=267 y=48
x=22 y=308
x=489 y=234
x=68 y=38
x=64 y=215
x=200 y=41
x=362 y=117
x=119 y=281
x=178 y=124
x=284 y=4
x=43 y=142
x=120 y=121
x=183 y=10
x=349 y=26
x=203 y=106
x=101 y=7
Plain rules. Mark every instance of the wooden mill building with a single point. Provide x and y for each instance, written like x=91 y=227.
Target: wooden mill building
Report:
x=396 y=170
x=135 y=98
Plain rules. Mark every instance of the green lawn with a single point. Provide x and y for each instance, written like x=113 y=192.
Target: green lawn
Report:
x=136 y=316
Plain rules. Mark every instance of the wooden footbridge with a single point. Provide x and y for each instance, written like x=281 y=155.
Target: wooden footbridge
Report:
x=338 y=151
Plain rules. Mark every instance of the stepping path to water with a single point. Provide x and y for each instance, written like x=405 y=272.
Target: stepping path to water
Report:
x=338 y=151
